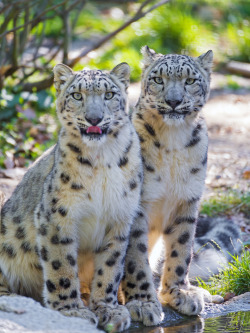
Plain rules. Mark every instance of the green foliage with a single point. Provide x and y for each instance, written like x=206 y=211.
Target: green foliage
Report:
x=95 y=20
x=228 y=202
x=9 y=101
x=239 y=37
x=168 y=29
x=188 y=27
x=30 y=131
x=234 y=279
x=231 y=83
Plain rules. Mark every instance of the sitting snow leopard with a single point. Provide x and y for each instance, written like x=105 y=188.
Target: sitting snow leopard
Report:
x=174 y=144
x=77 y=203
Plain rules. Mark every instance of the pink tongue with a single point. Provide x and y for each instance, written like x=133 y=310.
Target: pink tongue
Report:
x=94 y=129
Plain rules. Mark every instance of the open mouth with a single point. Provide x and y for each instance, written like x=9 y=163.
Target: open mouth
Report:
x=94 y=131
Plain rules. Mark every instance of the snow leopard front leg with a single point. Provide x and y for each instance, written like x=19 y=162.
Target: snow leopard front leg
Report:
x=137 y=285
x=178 y=239
x=57 y=248
x=109 y=266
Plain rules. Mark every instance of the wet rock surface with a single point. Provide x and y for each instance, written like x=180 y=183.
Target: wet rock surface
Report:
x=24 y=315
x=175 y=322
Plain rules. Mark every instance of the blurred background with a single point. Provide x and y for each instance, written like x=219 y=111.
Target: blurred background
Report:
x=37 y=34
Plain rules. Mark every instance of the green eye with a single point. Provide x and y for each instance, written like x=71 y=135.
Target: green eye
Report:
x=158 y=80
x=77 y=96
x=109 y=95
x=190 y=81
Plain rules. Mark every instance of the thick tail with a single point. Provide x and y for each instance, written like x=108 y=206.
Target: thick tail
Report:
x=216 y=240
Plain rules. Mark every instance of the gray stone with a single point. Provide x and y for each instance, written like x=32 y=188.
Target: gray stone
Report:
x=24 y=315
x=235 y=304
x=176 y=322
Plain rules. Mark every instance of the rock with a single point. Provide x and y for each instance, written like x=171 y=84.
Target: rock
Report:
x=177 y=322
x=24 y=315
x=235 y=304
x=13 y=173
x=228 y=296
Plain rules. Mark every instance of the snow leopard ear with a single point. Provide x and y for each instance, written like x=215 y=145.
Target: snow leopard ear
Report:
x=149 y=56
x=206 y=60
x=122 y=72
x=62 y=73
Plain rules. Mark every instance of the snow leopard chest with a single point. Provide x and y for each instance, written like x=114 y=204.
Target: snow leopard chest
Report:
x=101 y=206
x=176 y=173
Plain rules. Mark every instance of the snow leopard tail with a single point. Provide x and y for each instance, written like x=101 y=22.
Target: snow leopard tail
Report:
x=216 y=241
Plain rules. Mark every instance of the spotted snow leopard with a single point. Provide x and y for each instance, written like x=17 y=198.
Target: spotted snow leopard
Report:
x=66 y=217
x=174 y=143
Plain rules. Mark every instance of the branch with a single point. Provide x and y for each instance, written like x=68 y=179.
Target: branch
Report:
x=34 y=19
x=38 y=41
x=139 y=14
x=78 y=12
x=67 y=34
x=239 y=68
x=10 y=4
x=25 y=33
x=40 y=85
x=144 y=4
x=8 y=17
x=74 y=4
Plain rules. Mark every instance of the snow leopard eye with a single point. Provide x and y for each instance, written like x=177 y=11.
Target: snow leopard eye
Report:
x=109 y=95
x=190 y=81
x=158 y=80
x=77 y=96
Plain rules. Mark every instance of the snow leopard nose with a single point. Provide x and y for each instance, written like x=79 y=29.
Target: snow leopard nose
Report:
x=173 y=102
x=94 y=121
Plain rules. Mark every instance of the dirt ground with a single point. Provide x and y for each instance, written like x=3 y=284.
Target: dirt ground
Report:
x=228 y=118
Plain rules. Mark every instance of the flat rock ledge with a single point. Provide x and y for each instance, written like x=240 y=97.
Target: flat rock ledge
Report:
x=24 y=315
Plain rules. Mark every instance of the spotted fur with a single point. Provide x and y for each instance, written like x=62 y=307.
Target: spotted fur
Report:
x=174 y=144
x=216 y=240
x=74 y=208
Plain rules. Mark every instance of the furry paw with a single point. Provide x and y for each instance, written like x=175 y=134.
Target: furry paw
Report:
x=82 y=313
x=113 y=319
x=188 y=301
x=149 y=313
